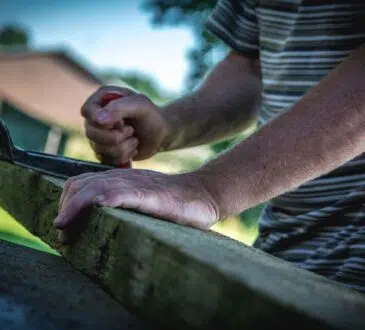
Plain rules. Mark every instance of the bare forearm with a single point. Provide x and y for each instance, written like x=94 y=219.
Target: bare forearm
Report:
x=325 y=129
x=225 y=104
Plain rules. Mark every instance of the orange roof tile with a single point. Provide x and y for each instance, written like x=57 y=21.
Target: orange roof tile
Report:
x=50 y=86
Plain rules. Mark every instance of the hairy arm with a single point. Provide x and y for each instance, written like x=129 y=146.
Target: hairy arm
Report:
x=225 y=104
x=322 y=131
x=325 y=129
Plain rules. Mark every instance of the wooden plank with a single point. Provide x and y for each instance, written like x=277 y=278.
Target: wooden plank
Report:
x=178 y=276
x=42 y=291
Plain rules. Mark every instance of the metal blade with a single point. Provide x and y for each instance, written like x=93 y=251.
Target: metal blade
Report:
x=54 y=165
x=6 y=144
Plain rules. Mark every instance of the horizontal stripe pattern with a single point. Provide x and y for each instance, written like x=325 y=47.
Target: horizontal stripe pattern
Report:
x=320 y=226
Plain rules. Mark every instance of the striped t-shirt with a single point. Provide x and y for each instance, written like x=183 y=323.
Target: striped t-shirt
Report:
x=319 y=226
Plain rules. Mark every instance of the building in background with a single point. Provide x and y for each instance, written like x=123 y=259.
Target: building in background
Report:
x=40 y=97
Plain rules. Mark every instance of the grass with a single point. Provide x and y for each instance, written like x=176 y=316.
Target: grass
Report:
x=12 y=231
x=168 y=162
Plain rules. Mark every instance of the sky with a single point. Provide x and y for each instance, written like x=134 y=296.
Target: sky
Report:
x=105 y=34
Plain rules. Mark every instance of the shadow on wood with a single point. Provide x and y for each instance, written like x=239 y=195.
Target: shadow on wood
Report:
x=42 y=291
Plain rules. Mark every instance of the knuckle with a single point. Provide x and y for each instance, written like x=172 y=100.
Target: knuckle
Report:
x=85 y=108
x=100 y=184
x=134 y=142
x=68 y=183
x=73 y=187
x=139 y=194
x=106 y=138
x=128 y=131
x=125 y=148
x=115 y=109
x=115 y=138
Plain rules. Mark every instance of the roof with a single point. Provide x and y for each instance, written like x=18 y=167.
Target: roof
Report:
x=50 y=86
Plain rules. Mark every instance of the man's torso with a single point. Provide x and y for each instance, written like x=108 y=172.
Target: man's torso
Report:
x=320 y=225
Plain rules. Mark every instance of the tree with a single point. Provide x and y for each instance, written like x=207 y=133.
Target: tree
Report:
x=191 y=13
x=12 y=35
x=141 y=83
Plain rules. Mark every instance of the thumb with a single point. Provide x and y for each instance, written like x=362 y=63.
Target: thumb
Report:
x=118 y=110
x=93 y=104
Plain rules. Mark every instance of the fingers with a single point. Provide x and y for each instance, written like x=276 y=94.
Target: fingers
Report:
x=71 y=186
x=91 y=194
x=73 y=204
x=177 y=198
x=107 y=137
x=92 y=105
x=119 y=154
x=138 y=199
x=119 y=162
x=79 y=192
x=77 y=183
x=126 y=198
x=116 y=146
x=133 y=107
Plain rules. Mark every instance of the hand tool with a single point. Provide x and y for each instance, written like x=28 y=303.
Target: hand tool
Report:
x=53 y=165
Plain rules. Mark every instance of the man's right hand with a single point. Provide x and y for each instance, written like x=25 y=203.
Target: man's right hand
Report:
x=131 y=127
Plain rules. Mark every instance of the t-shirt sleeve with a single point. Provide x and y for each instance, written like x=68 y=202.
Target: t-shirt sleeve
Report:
x=235 y=23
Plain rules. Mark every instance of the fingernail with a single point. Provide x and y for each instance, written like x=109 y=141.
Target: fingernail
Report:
x=102 y=115
x=58 y=221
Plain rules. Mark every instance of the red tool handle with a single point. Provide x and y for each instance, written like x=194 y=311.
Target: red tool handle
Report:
x=107 y=97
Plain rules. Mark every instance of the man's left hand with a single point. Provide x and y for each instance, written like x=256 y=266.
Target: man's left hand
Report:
x=180 y=198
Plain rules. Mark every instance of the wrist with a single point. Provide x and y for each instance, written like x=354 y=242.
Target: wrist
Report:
x=170 y=131
x=212 y=184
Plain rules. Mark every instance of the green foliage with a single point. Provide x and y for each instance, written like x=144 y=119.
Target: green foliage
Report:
x=222 y=146
x=12 y=231
x=191 y=13
x=250 y=217
x=141 y=83
x=13 y=35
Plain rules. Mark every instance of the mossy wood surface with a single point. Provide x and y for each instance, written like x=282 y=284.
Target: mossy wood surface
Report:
x=178 y=276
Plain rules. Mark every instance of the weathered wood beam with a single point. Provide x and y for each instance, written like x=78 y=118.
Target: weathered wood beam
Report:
x=177 y=276
x=42 y=291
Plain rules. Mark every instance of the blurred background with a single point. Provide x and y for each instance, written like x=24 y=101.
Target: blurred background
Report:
x=54 y=54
